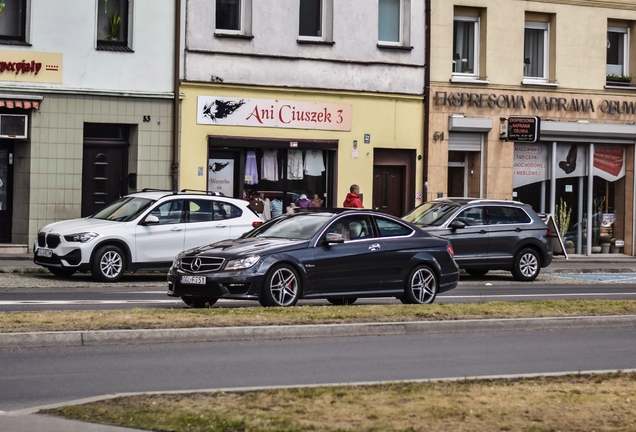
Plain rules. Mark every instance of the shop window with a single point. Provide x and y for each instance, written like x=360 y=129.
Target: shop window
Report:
x=466 y=46
x=13 y=16
x=535 y=51
x=617 y=54
x=112 y=25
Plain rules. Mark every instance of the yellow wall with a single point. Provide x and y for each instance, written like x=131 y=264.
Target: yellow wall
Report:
x=393 y=121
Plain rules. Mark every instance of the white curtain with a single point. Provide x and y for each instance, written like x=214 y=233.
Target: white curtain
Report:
x=534 y=53
x=464 y=46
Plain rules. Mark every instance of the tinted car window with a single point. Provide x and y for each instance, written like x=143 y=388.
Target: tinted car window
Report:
x=352 y=227
x=200 y=210
x=522 y=217
x=472 y=216
x=389 y=228
x=224 y=210
x=292 y=227
x=498 y=215
x=169 y=212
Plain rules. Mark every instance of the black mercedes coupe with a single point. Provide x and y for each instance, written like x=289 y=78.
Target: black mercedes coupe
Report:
x=335 y=254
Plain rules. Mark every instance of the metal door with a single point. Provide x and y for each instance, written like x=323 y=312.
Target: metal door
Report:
x=104 y=171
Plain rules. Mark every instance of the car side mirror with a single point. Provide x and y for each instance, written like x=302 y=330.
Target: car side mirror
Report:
x=457 y=224
x=334 y=238
x=150 y=220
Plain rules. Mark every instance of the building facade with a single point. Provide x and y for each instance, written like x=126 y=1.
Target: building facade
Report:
x=564 y=68
x=304 y=97
x=86 y=107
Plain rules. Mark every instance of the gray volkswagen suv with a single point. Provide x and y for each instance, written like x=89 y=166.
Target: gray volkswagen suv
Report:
x=489 y=234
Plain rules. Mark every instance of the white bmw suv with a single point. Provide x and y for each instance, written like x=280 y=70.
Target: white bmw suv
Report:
x=141 y=231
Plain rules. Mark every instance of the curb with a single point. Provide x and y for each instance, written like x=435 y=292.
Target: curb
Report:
x=114 y=337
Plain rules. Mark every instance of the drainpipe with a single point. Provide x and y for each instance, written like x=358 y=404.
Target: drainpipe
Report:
x=175 y=101
x=427 y=90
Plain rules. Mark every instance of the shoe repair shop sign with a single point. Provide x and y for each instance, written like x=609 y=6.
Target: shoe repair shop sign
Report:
x=532 y=162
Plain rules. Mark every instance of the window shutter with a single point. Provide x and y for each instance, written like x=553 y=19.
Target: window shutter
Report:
x=464 y=141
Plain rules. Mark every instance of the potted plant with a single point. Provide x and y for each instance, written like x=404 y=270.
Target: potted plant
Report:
x=619 y=79
x=569 y=247
x=605 y=241
x=113 y=26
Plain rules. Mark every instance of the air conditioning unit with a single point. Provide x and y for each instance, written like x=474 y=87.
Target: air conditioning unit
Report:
x=14 y=126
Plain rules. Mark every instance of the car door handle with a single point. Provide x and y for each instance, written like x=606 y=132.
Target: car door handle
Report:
x=374 y=247
x=518 y=229
x=176 y=229
x=220 y=226
x=483 y=232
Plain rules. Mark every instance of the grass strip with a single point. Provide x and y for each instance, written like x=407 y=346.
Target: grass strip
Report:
x=11 y=322
x=598 y=402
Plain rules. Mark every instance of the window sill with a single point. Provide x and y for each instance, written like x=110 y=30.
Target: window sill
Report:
x=314 y=42
x=113 y=48
x=539 y=82
x=394 y=47
x=234 y=36
x=14 y=42
x=620 y=86
x=469 y=79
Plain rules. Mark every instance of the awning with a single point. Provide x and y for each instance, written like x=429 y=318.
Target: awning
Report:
x=17 y=103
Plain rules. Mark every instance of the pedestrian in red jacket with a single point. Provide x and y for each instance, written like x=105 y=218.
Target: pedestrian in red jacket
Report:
x=353 y=197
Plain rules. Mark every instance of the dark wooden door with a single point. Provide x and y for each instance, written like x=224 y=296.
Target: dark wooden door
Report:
x=6 y=191
x=388 y=189
x=104 y=175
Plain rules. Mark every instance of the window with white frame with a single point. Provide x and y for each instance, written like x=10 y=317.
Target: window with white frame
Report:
x=466 y=45
x=535 y=51
x=311 y=19
x=617 y=52
x=390 y=21
x=13 y=20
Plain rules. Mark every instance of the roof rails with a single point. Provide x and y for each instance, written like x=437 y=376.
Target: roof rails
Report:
x=210 y=193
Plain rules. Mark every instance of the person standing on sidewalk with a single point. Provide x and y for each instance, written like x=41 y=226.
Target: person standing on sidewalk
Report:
x=353 y=197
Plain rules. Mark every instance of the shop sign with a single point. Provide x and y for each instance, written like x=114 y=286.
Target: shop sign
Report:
x=534 y=103
x=228 y=111
x=523 y=129
x=530 y=164
x=23 y=66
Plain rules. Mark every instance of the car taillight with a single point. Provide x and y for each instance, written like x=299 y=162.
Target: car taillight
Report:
x=256 y=224
x=450 y=250
x=548 y=233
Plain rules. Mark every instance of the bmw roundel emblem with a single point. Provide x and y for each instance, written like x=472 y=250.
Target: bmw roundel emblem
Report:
x=196 y=264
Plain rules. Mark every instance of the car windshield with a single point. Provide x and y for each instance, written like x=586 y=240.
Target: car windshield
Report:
x=297 y=226
x=431 y=213
x=124 y=209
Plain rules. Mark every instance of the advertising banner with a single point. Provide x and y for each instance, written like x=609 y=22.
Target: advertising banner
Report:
x=221 y=176
x=530 y=164
x=27 y=66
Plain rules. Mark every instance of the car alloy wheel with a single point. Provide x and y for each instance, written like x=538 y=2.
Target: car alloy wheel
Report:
x=282 y=287
x=527 y=265
x=108 y=264
x=421 y=287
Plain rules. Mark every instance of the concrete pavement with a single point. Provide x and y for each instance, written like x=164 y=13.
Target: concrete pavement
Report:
x=26 y=421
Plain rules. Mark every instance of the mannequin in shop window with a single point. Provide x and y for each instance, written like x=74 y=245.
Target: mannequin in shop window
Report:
x=303 y=202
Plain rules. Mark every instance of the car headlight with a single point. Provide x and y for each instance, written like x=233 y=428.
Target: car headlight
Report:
x=242 y=263
x=81 y=237
x=177 y=261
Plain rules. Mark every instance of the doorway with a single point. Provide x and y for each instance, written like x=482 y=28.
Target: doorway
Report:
x=104 y=166
x=388 y=184
x=6 y=190
x=456 y=174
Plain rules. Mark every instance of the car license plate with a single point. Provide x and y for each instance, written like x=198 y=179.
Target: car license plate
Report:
x=198 y=280
x=48 y=253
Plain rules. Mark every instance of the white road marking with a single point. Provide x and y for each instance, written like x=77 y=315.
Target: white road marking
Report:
x=83 y=302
